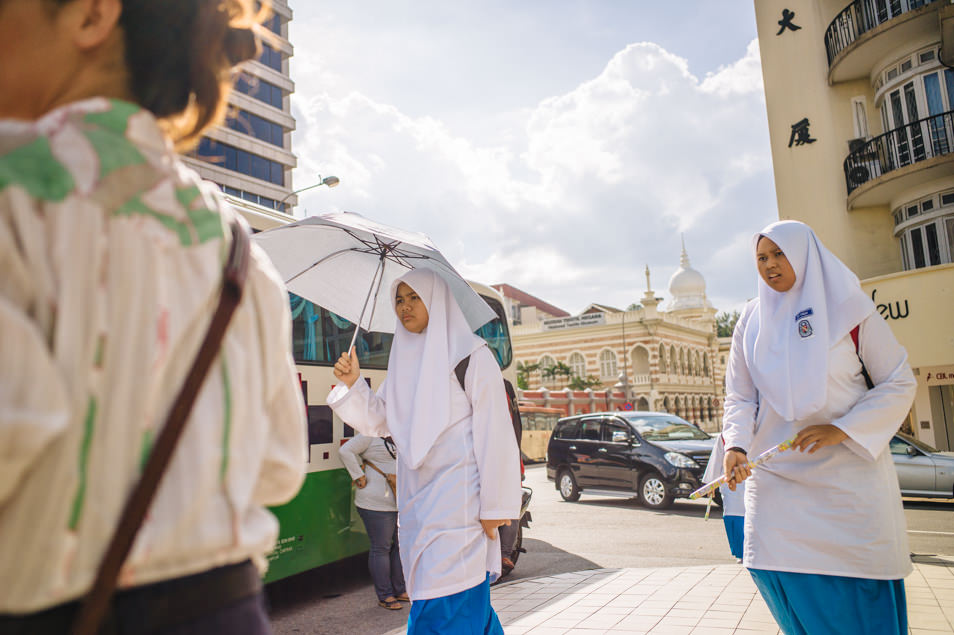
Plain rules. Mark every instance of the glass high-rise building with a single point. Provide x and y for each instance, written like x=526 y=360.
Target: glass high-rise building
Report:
x=250 y=156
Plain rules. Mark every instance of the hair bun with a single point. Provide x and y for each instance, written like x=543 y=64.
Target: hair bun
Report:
x=241 y=44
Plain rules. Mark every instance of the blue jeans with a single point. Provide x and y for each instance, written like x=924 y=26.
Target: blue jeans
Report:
x=384 y=560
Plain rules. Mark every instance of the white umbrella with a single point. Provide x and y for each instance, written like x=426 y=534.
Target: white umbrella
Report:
x=342 y=261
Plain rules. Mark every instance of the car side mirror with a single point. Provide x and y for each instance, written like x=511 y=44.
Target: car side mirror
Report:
x=912 y=451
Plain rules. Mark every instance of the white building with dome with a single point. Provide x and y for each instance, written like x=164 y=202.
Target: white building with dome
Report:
x=662 y=356
x=687 y=290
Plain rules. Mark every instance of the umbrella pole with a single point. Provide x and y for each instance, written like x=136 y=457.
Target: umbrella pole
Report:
x=379 y=276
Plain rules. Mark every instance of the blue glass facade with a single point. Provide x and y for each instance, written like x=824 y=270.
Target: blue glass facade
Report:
x=264 y=201
x=274 y=24
x=271 y=58
x=260 y=90
x=251 y=124
x=232 y=158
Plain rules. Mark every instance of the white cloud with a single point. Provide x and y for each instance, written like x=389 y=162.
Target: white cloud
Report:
x=740 y=78
x=580 y=192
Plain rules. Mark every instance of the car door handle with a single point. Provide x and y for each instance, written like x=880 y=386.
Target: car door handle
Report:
x=572 y=447
x=603 y=450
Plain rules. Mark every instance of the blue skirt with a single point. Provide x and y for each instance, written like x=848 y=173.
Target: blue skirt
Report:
x=465 y=613
x=808 y=603
x=735 y=532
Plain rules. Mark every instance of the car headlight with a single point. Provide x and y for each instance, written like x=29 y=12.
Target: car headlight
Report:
x=680 y=460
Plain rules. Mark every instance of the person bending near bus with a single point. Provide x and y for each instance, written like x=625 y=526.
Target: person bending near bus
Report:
x=111 y=253
x=371 y=463
x=458 y=466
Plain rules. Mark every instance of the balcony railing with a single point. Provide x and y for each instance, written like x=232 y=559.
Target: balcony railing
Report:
x=917 y=141
x=861 y=16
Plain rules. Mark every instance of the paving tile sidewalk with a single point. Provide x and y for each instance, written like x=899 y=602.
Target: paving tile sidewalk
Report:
x=699 y=600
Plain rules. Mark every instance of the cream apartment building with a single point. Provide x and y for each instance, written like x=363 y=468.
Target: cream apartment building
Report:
x=860 y=102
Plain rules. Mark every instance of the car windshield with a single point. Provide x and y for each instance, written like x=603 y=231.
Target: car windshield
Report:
x=921 y=445
x=665 y=428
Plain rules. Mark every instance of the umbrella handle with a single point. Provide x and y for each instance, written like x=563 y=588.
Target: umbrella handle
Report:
x=376 y=288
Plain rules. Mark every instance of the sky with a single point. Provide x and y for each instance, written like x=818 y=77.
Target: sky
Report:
x=560 y=146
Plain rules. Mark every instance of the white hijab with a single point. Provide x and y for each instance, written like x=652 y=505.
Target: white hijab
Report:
x=787 y=351
x=421 y=367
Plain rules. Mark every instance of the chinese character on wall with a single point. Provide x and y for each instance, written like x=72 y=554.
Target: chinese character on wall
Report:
x=800 y=134
x=786 y=22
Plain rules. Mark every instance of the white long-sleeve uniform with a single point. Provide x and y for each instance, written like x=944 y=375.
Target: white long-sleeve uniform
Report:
x=376 y=495
x=837 y=511
x=471 y=472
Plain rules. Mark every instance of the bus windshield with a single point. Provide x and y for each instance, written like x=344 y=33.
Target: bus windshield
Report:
x=320 y=336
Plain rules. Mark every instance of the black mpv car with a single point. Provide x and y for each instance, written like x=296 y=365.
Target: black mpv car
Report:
x=657 y=455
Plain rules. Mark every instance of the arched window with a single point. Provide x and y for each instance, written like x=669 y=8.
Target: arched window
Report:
x=662 y=359
x=705 y=365
x=690 y=365
x=682 y=361
x=698 y=364
x=546 y=362
x=577 y=364
x=673 y=361
x=642 y=404
x=667 y=406
x=608 y=366
x=640 y=360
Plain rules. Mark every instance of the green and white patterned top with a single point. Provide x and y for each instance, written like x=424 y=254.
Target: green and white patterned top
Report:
x=111 y=254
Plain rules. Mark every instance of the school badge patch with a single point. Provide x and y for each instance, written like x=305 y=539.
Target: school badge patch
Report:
x=805 y=328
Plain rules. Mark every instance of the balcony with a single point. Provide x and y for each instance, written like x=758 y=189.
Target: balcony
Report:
x=879 y=169
x=867 y=30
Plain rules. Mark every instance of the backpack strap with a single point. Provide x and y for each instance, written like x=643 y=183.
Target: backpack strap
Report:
x=461 y=371
x=515 y=417
x=864 y=371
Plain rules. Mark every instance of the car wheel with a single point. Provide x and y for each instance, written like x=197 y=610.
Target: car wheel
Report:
x=653 y=492
x=568 y=487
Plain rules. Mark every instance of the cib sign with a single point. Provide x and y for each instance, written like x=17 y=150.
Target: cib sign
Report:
x=589 y=319
x=939 y=376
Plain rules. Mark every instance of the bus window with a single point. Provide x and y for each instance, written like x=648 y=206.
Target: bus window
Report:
x=496 y=334
x=319 y=337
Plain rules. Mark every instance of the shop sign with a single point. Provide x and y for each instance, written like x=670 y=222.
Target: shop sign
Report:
x=589 y=319
x=891 y=311
x=939 y=376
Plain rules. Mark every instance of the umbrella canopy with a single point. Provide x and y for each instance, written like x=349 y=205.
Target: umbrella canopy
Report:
x=347 y=263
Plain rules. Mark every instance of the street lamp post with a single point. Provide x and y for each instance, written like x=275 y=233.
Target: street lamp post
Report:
x=330 y=181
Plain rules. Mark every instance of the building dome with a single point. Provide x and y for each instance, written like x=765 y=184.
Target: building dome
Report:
x=687 y=287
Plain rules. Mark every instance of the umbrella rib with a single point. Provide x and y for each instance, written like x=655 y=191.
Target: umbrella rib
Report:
x=322 y=260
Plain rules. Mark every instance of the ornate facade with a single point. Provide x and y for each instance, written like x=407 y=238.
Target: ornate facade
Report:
x=648 y=358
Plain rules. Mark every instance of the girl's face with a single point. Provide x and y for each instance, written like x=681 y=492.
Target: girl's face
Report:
x=410 y=309
x=774 y=266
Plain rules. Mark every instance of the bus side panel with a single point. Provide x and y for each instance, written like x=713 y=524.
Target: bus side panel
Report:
x=318 y=526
